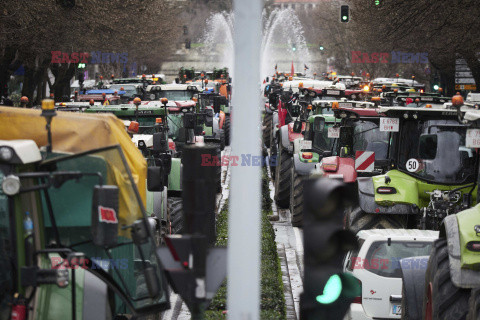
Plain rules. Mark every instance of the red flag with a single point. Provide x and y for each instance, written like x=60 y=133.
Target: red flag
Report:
x=293 y=69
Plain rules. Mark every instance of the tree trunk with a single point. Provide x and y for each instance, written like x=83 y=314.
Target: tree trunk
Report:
x=474 y=65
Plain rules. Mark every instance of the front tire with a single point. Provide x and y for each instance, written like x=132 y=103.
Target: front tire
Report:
x=282 y=180
x=227 y=130
x=357 y=220
x=474 y=305
x=296 y=198
x=267 y=131
x=442 y=299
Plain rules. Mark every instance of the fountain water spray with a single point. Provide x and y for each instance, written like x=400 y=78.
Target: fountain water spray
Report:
x=282 y=32
x=283 y=42
x=218 y=40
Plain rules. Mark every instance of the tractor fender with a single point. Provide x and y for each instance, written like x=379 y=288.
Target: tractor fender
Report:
x=461 y=277
x=302 y=168
x=345 y=168
x=284 y=139
x=215 y=125
x=366 y=197
x=222 y=119
x=175 y=176
x=413 y=277
x=267 y=108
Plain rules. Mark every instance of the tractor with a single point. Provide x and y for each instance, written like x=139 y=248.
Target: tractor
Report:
x=446 y=286
x=430 y=171
x=76 y=240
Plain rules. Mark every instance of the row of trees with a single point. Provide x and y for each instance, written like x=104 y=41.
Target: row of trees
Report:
x=31 y=30
x=444 y=29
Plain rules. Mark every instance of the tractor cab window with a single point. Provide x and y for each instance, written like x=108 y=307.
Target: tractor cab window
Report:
x=174 y=95
x=321 y=141
x=175 y=122
x=435 y=151
x=123 y=263
x=368 y=137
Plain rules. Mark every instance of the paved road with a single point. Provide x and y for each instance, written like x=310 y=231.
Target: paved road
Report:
x=290 y=250
x=178 y=310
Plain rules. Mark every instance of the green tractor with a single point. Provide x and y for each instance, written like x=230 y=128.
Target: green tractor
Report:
x=448 y=286
x=76 y=241
x=308 y=151
x=431 y=171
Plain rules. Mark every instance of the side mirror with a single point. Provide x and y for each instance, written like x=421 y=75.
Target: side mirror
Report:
x=318 y=124
x=105 y=204
x=189 y=120
x=155 y=179
x=160 y=142
x=346 y=136
x=326 y=153
x=297 y=126
x=267 y=79
x=218 y=102
x=177 y=80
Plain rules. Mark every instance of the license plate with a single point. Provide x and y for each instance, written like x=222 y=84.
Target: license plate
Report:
x=333 y=92
x=397 y=309
x=306 y=144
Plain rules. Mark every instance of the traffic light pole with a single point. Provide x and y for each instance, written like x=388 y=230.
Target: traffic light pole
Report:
x=243 y=269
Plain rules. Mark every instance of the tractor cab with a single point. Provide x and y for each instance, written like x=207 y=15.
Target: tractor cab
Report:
x=429 y=153
x=88 y=249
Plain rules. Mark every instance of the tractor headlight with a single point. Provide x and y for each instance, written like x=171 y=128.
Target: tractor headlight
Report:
x=6 y=153
x=11 y=185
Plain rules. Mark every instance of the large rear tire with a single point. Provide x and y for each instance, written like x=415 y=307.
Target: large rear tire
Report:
x=357 y=220
x=267 y=129
x=474 y=305
x=273 y=157
x=442 y=299
x=296 y=198
x=282 y=180
x=175 y=215
x=221 y=134
x=226 y=127
x=405 y=315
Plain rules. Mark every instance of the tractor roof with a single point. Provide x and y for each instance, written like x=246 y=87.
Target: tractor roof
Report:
x=129 y=110
x=173 y=87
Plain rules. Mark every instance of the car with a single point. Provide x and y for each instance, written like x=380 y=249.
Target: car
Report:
x=376 y=265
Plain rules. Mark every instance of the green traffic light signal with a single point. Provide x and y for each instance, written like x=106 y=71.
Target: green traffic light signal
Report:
x=332 y=290
x=436 y=87
x=81 y=65
x=377 y=2
x=322 y=48
x=294 y=47
x=344 y=18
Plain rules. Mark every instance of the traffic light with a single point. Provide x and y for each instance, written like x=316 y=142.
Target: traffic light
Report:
x=377 y=3
x=294 y=47
x=82 y=66
x=66 y=3
x=321 y=48
x=344 y=13
x=328 y=291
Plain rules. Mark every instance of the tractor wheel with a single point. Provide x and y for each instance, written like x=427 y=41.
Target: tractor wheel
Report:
x=405 y=315
x=296 y=198
x=267 y=130
x=273 y=157
x=218 y=172
x=175 y=215
x=282 y=180
x=221 y=133
x=442 y=299
x=474 y=305
x=226 y=128
x=357 y=220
